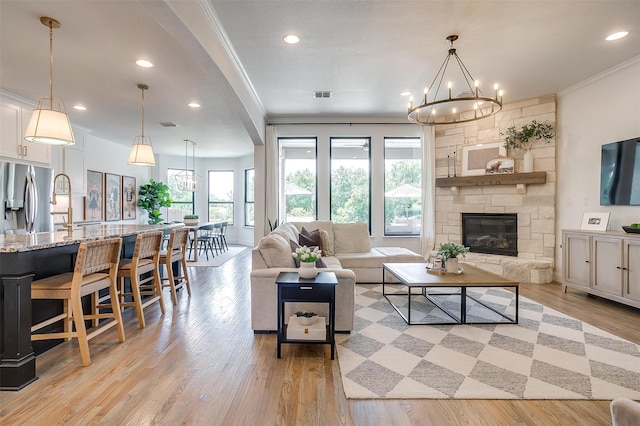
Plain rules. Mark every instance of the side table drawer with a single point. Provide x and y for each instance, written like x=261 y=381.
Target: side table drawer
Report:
x=310 y=293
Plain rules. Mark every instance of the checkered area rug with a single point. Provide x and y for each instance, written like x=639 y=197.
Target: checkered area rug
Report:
x=548 y=355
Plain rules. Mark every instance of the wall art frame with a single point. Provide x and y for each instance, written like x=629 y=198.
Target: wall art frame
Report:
x=93 y=202
x=595 y=221
x=112 y=197
x=129 y=198
x=475 y=157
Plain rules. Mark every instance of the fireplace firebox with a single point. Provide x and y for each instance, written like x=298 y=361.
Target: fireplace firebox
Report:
x=491 y=233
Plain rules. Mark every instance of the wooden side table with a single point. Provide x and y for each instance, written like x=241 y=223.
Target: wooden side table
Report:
x=292 y=288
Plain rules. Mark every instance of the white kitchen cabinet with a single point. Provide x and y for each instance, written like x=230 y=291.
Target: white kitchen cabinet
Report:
x=14 y=122
x=606 y=264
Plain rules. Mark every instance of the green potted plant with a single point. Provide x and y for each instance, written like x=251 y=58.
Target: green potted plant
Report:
x=153 y=196
x=450 y=252
x=526 y=137
x=191 y=219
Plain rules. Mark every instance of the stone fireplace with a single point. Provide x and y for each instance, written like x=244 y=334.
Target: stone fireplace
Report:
x=491 y=233
x=529 y=202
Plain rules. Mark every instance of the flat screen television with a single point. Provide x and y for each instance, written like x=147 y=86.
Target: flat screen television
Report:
x=620 y=173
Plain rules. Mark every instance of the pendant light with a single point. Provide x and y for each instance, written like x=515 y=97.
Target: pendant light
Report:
x=188 y=180
x=50 y=125
x=142 y=152
x=470 y=105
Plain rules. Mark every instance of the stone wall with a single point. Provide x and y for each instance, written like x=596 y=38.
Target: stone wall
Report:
x=533 y=203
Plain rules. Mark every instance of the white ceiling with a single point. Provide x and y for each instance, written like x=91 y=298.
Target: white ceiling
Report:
x=229 y=56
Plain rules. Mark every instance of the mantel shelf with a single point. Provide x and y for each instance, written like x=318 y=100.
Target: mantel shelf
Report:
x=495 y=179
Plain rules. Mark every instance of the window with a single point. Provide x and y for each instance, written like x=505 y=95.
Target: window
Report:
x=350 y=180
x=249 y=198
x=298 y=199
x=402 y=186
x=180 y=200
x=221 y=196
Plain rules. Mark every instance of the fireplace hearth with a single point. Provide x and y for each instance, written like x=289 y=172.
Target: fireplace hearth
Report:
x=491 y=233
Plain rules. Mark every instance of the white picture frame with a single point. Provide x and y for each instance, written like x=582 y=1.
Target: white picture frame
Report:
x=475 y=157
x=595 y=221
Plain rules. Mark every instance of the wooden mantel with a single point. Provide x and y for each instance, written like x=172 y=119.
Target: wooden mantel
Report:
x=518 y=179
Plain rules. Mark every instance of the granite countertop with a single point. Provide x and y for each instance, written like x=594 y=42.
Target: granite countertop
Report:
x=41 y=240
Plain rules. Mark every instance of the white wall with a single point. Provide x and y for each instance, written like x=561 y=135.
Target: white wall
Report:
x=601 y=110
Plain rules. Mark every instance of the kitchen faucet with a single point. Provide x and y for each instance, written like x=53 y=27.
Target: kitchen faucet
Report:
x=64 y=186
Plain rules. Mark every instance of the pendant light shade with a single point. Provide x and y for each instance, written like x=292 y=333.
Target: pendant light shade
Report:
x=142 y=151
x=49 y=123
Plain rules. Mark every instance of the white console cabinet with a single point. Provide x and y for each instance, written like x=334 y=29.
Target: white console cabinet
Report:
x=606 y=264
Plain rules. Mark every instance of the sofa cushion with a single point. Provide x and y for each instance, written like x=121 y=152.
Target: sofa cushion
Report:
x=351 y=238
x=370 y=259
x=294 y=246
x=327 y=243
x=399 y=255
x=317 y=238
x=276 y=252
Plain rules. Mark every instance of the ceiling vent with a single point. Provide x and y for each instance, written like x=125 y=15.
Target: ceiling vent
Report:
x=168 y=124
x=322 y=94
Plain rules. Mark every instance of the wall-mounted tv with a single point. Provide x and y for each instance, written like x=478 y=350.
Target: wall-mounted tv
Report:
x=620 y=173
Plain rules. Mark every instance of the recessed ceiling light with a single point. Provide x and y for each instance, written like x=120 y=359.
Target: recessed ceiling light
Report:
x=80 y=107
x=144 y=63
x=291 y=39
x=617 y=36
x=406 y=93
x=194 y=105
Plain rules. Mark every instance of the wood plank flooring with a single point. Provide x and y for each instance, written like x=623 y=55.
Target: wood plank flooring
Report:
x=200 y=364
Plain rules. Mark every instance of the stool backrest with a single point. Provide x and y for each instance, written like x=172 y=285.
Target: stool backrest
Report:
x=178 y=239
x=98 y=256
x=148 y=245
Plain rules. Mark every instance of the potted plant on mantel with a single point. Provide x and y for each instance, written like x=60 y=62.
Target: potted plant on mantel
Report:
x=152 y=196
x=526 y=137
x=450 y=252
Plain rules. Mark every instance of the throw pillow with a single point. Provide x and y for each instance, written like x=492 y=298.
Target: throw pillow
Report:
x=310 y=238
x=327 y=244
x=319 y=263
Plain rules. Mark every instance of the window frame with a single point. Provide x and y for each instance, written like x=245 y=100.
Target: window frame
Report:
x=282 y=204
x=247 y=201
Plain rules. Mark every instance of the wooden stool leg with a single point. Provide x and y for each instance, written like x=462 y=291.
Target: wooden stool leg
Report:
x=81 y=331
x=172 y=283
x=137 y=299
x=186 y=275
x=157 y=284
x=115 y=308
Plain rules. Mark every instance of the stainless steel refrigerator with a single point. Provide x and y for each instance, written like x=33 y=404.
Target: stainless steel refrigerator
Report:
x=25 y=192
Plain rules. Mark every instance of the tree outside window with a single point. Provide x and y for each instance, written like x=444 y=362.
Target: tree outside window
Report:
x=221 y=196
x=350 y=180
x=298 y=196
x=403 y=183
x=249 y=197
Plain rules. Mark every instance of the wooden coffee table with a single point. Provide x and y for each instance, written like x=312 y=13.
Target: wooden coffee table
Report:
x=416 y=276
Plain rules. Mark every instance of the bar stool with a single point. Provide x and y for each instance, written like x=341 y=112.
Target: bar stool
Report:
x=176 y=252
x=96 y=268
x=146 y=258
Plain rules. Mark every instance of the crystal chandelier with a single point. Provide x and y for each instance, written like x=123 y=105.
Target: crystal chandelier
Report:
x=470 y=105
x=141 y=153
x=50 y=125
x=188 y=180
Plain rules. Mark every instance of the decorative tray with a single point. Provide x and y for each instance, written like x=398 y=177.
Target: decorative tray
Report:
x=442 y=271
x=631 y=230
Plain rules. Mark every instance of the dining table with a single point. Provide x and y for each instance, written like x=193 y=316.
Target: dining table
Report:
x=193 y=230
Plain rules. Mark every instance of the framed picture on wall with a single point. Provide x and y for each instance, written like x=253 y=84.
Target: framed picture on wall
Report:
x=476 y=157
x=113 y=196
x=95 y=196
x=595 y=221
x=129 y=197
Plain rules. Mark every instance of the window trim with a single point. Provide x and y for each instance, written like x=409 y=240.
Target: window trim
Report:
x=282 y=217
x=232 y=202
x=246 y=200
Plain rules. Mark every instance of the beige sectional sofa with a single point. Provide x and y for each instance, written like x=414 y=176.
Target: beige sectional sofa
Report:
x=348 y=253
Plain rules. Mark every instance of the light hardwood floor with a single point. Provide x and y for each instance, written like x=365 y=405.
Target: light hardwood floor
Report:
x=201 y=364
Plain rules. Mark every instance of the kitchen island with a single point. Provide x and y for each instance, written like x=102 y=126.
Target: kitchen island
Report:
x=28 y=257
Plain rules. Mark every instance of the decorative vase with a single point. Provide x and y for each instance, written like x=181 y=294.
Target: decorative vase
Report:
x=307 y=270
x=451 y=265
x=528 y=161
